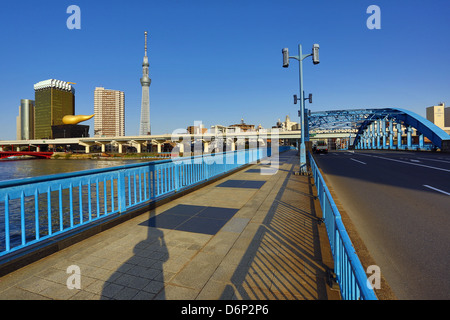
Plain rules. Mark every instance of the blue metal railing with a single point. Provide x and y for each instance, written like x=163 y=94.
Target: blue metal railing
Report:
x=349 y=272
x=36 y=209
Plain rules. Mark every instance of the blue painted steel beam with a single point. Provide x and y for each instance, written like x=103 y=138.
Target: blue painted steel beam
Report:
x=404 y=117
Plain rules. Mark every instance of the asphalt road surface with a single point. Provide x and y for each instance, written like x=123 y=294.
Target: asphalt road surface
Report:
x=399 y=202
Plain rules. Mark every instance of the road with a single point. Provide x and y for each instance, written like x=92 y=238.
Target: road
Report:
x=399 y=202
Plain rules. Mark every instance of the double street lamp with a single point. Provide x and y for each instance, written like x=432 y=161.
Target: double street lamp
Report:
x=300 y=58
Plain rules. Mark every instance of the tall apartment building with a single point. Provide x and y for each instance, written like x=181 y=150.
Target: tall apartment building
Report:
x=54 y=99
x=25 y=120
x=109 y=109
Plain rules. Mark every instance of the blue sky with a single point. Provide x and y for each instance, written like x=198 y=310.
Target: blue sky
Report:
x=218 y=61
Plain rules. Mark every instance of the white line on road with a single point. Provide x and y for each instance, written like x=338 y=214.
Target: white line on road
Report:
x=407 y=162
x=436 y=189
x=434 y=160
x=413 y=160
x=358 y=161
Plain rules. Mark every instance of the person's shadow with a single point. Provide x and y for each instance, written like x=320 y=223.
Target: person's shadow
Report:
x=141 y=276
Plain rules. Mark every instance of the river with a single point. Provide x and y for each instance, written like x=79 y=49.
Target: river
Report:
x=19 y=169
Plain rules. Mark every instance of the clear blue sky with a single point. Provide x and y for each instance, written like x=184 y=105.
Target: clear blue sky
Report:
x=218 y=61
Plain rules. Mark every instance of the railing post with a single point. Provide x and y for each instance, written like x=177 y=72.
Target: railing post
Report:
x=121 y=191
x=177 y=176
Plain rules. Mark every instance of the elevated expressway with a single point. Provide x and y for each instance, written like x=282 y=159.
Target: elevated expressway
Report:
x=385 y=128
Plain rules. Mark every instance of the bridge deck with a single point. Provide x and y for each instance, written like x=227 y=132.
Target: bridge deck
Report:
x=247 y=236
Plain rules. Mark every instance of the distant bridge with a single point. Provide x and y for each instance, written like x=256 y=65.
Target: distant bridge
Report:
x=7 y=154
x=377 y=128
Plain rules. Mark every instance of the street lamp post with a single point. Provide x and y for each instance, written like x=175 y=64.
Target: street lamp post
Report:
x=300 y=58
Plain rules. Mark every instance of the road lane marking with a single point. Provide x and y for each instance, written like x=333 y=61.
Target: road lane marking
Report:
x=407 y=162
x=436 y=189
x=358 y=161
x=414 y=160
x=435 y=160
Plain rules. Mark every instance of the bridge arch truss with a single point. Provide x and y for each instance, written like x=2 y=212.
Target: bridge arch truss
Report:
x=381 y=128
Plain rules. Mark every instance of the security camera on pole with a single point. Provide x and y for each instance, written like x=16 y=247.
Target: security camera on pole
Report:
x=300 y=58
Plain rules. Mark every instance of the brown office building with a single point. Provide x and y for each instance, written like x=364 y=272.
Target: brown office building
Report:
x=109 y=109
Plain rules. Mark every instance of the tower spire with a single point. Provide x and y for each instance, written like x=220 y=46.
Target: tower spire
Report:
x=144 y=128
x=145 y=42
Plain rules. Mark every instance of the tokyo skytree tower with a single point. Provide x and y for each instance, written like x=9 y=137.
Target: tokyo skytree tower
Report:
x=144 y=128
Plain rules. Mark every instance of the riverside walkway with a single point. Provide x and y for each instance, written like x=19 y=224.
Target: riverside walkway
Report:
x=247 y=236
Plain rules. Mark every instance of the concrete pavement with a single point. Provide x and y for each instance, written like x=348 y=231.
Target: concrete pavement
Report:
x=247 y=236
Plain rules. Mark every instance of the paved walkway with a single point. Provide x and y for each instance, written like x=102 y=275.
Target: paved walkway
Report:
x=270 y=247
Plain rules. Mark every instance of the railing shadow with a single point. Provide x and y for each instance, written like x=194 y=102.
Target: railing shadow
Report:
x=283 y=260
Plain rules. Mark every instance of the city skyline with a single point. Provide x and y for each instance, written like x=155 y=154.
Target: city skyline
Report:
x=220 y=62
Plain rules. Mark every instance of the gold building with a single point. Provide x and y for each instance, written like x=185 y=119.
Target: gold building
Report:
x=54 y=99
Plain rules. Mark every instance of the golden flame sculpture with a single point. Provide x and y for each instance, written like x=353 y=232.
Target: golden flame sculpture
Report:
x=70 y=119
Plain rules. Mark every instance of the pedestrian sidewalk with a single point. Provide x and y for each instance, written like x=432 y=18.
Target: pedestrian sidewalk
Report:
x=247 y=236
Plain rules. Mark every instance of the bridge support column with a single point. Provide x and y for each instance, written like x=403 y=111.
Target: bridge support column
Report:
x=87 y=148
x=408 y=137
x=373 y=134
x=159 y=144
x=232 y=145
x=383 y=133
x=181 y=147
x=420 y=140
x=158 y=147
x=391 y=134
x=102 y=144
x=137 y=145
x=38 y=149
x=399 y=135
x=120 y=146
x=378 y=134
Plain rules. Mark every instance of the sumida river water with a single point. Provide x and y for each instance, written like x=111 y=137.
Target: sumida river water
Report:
x=20 y=169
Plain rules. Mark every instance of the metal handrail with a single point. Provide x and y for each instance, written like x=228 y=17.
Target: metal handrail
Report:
x=349 y=271
x=39 y=208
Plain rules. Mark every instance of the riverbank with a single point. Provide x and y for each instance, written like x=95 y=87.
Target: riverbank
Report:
x=109 y=156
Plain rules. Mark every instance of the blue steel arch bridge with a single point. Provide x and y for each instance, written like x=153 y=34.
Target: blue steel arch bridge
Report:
x=385 y=128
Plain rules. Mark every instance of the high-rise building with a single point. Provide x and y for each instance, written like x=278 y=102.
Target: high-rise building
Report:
x=144 y=128
x=109 y=110
x=54 y=99
x=435 y=114
x=25 y=120
x=440 y=116
x=447 y=116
